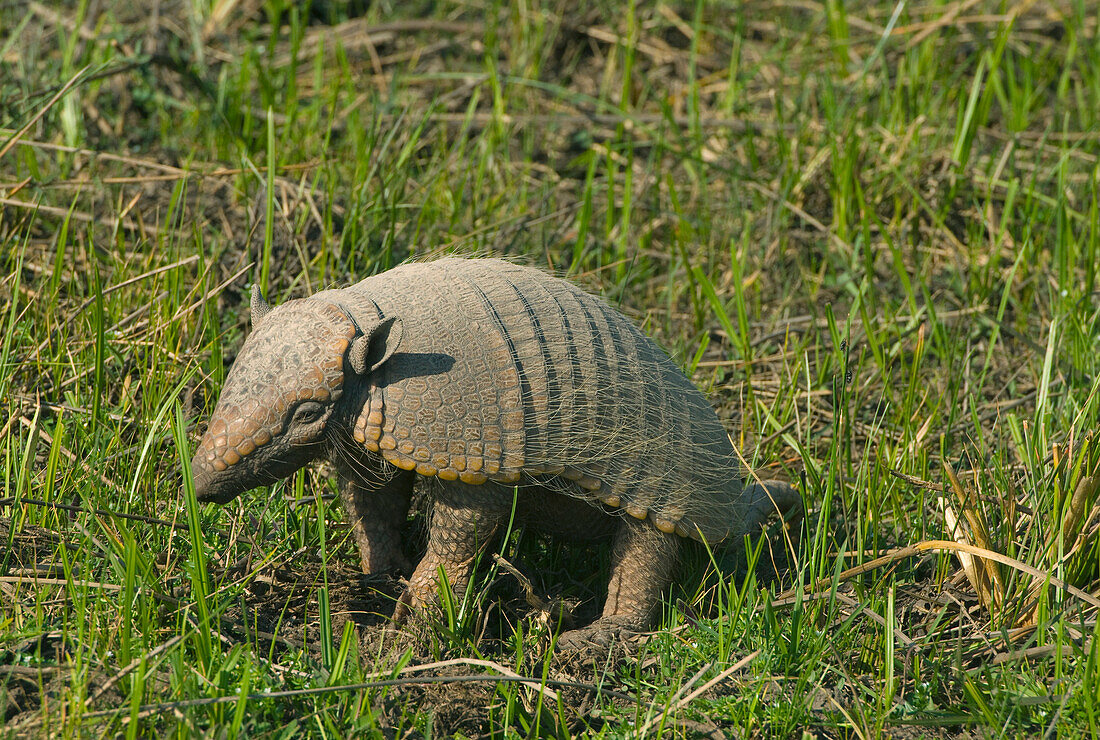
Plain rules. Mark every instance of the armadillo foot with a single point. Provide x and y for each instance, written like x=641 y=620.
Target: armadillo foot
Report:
x=641 y=567
x=401 y=612
x=600 y=635
x=413 y=636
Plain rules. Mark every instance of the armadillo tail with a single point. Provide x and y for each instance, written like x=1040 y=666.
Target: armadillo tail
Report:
x=769 y=498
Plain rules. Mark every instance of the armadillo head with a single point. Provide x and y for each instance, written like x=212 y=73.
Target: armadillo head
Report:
x=282 y=391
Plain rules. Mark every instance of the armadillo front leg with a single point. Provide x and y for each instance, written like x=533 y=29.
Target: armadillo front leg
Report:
x=642 y=563
x=377 y=513
x=464 y=519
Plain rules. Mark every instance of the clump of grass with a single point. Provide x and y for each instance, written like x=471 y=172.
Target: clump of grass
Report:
x=1057 y=537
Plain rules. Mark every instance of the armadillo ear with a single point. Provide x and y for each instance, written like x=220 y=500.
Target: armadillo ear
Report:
x=260 y=307
x=375 y=345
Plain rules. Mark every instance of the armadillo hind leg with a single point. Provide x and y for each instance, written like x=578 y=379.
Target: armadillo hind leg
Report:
x=377 y=514
x=642 y=563
x=770 y=498
x=464 y=519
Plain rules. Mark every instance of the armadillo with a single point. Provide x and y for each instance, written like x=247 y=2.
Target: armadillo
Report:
x=517 y=393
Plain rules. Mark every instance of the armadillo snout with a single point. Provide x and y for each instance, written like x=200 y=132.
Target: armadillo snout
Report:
x=221 y=467
x=209 y=484
x=222 y=486
x=224 y=465
x=222 y=471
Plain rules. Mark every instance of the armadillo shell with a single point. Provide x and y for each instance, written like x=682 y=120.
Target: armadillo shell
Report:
x=503 y=371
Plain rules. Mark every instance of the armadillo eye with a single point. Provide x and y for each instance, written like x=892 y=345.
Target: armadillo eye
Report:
x=308 y=412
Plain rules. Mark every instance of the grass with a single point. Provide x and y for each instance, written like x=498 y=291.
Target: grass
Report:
x=871 y=234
